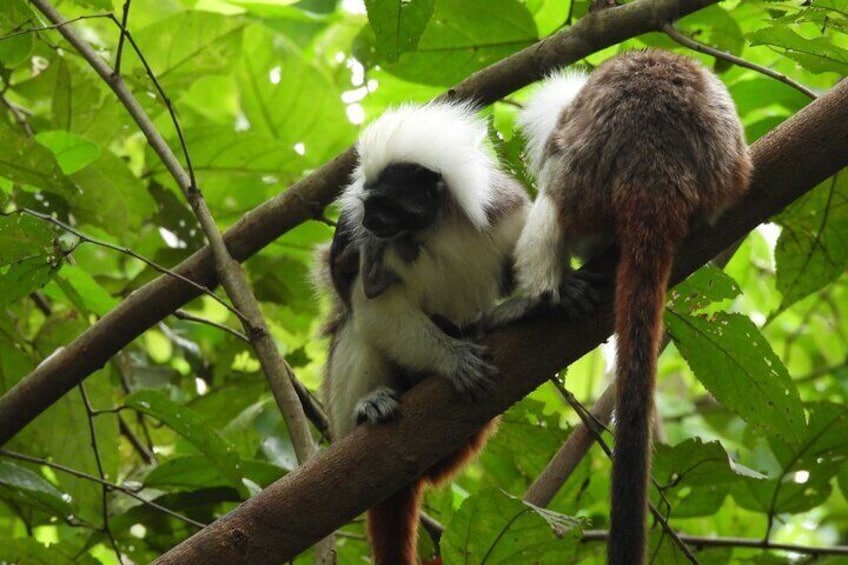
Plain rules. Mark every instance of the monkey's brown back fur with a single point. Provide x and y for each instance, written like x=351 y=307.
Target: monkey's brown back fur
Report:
x=651 y=144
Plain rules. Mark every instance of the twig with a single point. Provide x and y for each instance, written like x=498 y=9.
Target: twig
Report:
x=181 y=314
x=703 y=541
x=313 y=409
x=126 y=251
x=112 y=486
x=104 y=490
x=147 y=455
x=682 y=39
x=123 y=25
x=596 y=429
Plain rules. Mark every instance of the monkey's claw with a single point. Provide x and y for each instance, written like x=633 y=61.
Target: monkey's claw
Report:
x=473 y=376
x=379 y=406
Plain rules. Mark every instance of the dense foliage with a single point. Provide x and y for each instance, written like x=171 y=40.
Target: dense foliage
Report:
x=752 y=391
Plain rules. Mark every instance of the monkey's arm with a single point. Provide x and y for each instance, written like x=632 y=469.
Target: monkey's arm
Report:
x=412 y=340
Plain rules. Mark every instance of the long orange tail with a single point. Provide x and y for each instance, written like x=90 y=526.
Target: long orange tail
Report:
x=641 y=284
x=393 y=526
x=393 y=523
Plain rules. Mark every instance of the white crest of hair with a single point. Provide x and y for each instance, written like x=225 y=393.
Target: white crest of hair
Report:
x=541 y=113
x=447 y=138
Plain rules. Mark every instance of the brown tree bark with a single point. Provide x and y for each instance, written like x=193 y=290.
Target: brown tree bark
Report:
x=371 y=462
x=304 y=200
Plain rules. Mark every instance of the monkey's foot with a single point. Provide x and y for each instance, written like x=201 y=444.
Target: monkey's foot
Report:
x=379 y=406
x=473 y=376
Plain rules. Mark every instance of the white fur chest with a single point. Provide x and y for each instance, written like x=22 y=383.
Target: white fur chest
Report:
x=456 y=274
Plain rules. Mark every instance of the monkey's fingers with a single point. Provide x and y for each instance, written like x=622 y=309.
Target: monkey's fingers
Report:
x=580 y=294
x=379 y=406
x=512 y=310
x=474 y=374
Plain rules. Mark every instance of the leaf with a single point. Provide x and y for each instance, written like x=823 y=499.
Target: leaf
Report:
x=186 y=45
x=110 y=196
x=223 y=159
x=73 y=152
x=398 y=24
x=492 y=527
x=193 y=429
x=816 y=54
x=84 y=292
x=16 y=50
x=286 y=97
x=706 y=285
x=30 y=552
x=733 y=360
x=25 y=487
x=24 y=276
x=23 y=237
x=696 y=476
x=25 y=162
x=463 y=37
x=812 y=250
x=192 y=472
x=716 y=27
x=807 y=470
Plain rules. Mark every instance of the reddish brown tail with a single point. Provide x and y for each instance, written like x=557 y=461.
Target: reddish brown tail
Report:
x=393 y=523
x=639 y=300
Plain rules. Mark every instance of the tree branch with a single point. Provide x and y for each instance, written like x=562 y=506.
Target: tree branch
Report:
x=306 y=199
x=353 y=473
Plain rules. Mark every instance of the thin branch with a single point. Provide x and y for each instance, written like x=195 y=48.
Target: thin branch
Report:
x=104 y=490
x=703 y=541
x=126 y=251
x=92 y=478
x=189 y=317
x=146 y=454
x=123 y=26
x=596 y=428
x=686 y=41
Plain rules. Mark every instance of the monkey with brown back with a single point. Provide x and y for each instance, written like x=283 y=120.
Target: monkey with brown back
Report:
x=631 y=155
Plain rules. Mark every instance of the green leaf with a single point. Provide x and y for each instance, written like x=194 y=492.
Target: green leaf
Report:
x=111 y=197
x=463 y=37
x=807 y=470
x=714 y=26
x=398 y=24
x=16 y=15
x=24 y=276
x=30 y=552
x=733 y=360
x=286 y=97
x=84 y=292
x=706 y=285
x=493 y=527
x=192 y=472
x=24 y=161
x=25 y=487
x=812 y=250
x=23 y=237
x=73 y=152
x=816 y=54
x=193 y=429
x=186 y=45
x=695 y=476
x=224 y=159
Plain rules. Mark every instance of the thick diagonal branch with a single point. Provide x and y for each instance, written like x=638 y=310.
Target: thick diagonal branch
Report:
x=359 y=470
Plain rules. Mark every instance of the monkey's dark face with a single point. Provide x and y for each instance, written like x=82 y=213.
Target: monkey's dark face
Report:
x=405 y=198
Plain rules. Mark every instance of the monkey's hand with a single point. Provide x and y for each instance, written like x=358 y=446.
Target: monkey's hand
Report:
x=579 y=294
x=379 y=406
x=472 y=378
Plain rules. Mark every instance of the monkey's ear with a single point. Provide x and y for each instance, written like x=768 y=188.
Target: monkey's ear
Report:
x=376 y=276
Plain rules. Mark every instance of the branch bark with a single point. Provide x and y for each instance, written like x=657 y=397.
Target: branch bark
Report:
x=356 y=472
x=305 y=200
